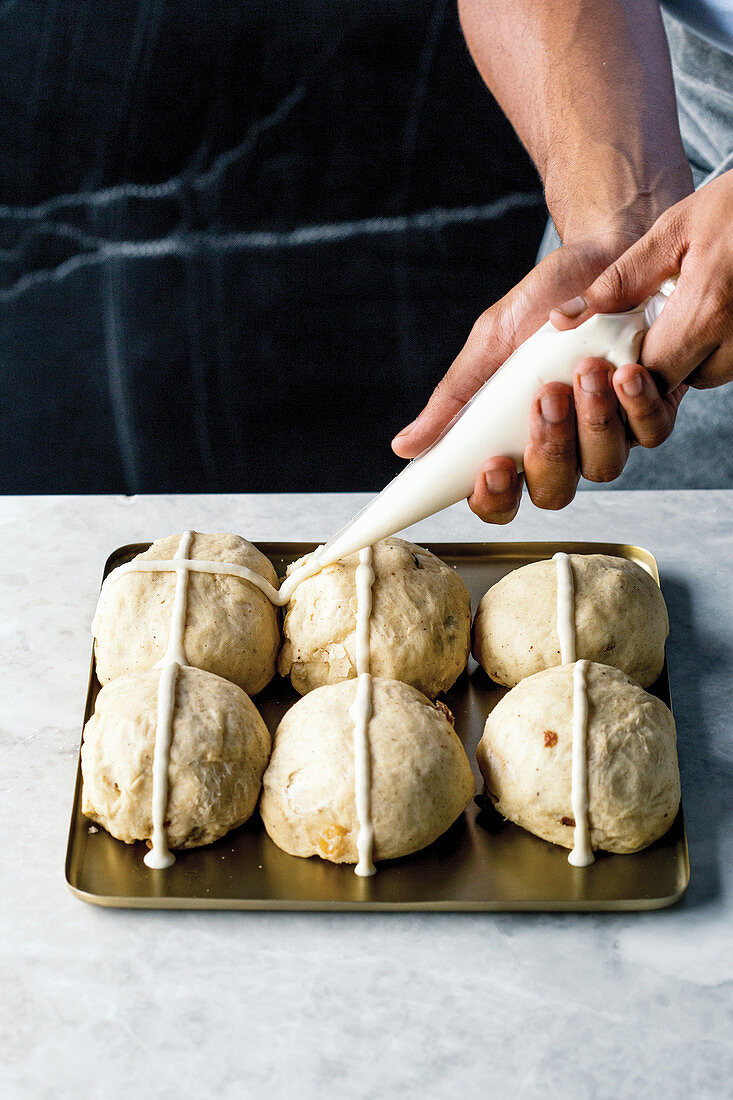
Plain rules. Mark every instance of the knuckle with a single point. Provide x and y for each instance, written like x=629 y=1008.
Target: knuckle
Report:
x=671 y=230
x=652 y=427
x=666 y=220
x=612 y=281
x=649 y=412
x=671 y=222
x=494 y=329
x=483 y=327
x=505 y=328
x=447 y=393
x=597 y=420
x=444 y=388
x=560 y=449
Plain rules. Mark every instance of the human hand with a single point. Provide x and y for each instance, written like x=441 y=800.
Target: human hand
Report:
x=692 y=340
x=578 y=430
x=559 y=450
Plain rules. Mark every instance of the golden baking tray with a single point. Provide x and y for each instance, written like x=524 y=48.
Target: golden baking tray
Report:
x=481 y=863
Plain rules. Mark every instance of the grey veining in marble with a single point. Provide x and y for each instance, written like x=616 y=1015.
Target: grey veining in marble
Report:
x=114 y=1004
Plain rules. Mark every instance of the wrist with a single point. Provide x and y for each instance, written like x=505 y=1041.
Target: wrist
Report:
x=606 y=197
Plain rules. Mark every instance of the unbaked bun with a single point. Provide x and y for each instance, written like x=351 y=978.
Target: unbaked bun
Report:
x=219 y=750
x=420 y=622
x=421 y=780
x=231 y=627
x=525 y=756
x=620 y=619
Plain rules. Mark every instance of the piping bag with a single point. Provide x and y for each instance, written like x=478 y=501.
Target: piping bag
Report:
x=494 y=422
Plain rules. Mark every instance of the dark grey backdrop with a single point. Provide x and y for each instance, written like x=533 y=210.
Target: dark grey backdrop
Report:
x=240 y=242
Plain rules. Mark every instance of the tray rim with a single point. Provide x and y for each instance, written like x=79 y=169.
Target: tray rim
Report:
x=543 y=549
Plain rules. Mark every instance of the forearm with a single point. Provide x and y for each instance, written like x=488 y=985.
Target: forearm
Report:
x=587 y=85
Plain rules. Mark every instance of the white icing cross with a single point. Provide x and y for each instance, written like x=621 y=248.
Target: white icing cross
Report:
x=159 y=857
x=582 y=853
x=361 y=712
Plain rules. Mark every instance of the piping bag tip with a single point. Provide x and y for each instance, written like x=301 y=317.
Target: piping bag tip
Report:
x=334 y=549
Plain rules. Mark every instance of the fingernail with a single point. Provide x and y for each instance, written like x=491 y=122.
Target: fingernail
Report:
x=593 y=381
x=406 y=430
x=633 y=386
x=555 y=407
x=498 y=481
x=574 y=307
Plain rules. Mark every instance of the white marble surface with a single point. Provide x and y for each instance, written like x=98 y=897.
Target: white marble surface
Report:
x=106 y=1003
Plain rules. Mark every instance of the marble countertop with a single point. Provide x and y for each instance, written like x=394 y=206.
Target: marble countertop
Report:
x=165 y=1004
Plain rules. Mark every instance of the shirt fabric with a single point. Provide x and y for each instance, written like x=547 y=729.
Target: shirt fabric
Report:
x=712 y=20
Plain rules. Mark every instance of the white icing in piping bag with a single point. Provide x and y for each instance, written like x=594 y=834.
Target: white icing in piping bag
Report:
x=494 y=422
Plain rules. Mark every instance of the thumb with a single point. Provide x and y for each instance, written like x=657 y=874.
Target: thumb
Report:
x=636 y=274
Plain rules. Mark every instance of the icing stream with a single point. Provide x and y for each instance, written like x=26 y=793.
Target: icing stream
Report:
x=279 y=597
x=160 y=856
x=582 y=853
x=565 y=608
x=361 y=712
